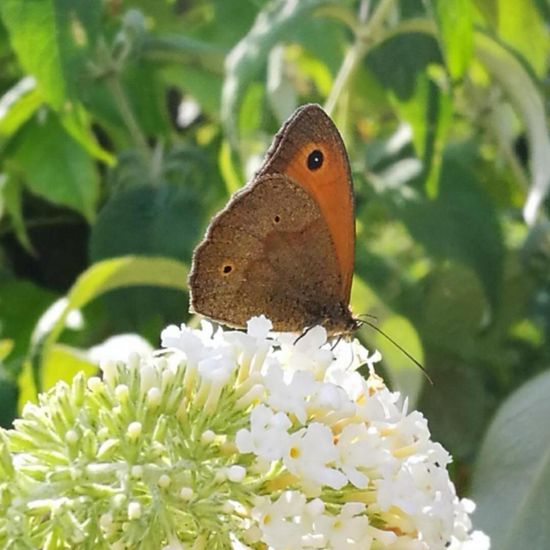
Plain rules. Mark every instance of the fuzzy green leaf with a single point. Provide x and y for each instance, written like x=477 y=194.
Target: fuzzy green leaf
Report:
x=512 y=475
x=102 y=277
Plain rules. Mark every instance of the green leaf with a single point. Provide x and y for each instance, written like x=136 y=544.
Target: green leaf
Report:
x=529 y=105
x=10 y=200
x=461 y=223
x=416 y=95
x=8 y=400
x=141 y=90
x=250 y=114
x=404 y=375
x=77 y=123
x=203 y=85
x=453 y=311
x=414 y=53
x=249 y=56
x=457 y=405
x=231 y=176
x=211 y=22
x=63 y=363
x=54 y=166
x=100 y=278
x=21 y=304
x=521 y=26
x=60 y=32
x=146 y=95
x=163 y=221
x=512 y=475
x=17 y=105
x=455 y=22
x=429 y=112
x=535 y=252
x=185 y=50
x=6 y=347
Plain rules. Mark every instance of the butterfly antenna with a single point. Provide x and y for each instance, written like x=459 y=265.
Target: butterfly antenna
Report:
x=369 y=315
x=399 y=347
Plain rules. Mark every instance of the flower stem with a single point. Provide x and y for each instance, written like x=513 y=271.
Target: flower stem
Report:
x=365 y=38
x=128 y=117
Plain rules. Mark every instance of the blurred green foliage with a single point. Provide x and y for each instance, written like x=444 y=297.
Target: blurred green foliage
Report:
x=124 y=125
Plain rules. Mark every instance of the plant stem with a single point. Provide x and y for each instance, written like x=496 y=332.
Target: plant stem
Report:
x=128 y=116
x=365 y=37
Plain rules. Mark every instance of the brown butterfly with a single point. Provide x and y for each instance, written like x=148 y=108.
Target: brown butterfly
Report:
x=284 y=244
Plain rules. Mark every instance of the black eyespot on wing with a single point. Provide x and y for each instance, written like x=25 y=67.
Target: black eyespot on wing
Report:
x=276 y=218
x=226 y=269
x=315 y=160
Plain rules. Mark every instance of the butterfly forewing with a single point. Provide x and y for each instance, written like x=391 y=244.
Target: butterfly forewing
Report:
x=309 y=150
x=269 y=252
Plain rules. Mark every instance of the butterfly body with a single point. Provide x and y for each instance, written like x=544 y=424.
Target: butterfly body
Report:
x=284 y=244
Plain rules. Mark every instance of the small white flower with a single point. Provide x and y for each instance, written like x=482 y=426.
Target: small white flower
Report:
x=94 y=382
x=355 y=443
x=149 y=378
x=194 y=344
x=400 y=490
x=134 y=430
x=309 y=456
x=259 y=327
x=217 y=369
x=349 y=529
x=378 y=408
x=477 y=541
x=278 y=520
x=329 y=404
x=208 y=436
x=186 y=493
x=268 y=436
x=106 y=521
x=122 y=392
x=117 y=348
x=289 y=396
x=71 y=436
x=236 y=473
x=164 y=481
x=307 y=352
x=154 y=396
x=134 y=510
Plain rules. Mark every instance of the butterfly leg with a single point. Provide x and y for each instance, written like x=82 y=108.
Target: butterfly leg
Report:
x=322 y=323
x=304 y=332
x=335 y=342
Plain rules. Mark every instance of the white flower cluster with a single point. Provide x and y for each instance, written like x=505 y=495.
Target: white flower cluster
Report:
x=227 y=439
x=344 y=464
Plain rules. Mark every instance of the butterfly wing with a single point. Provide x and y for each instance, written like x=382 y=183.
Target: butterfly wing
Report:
x=308 y=135
x=270 y=251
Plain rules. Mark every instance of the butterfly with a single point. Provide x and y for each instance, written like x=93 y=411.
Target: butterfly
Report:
x=284 y=244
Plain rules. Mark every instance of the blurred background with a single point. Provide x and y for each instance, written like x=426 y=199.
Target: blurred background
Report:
x=125 y=125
